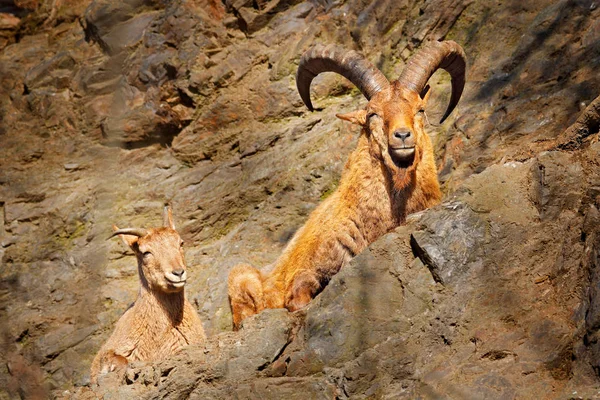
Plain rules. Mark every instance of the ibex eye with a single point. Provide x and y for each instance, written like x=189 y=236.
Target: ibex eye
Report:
x=372 y=114
x=181 y=244
x=147 y=254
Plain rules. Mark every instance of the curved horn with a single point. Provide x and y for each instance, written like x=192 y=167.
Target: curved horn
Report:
x=447 y=55
x=349 y=64
x=139 y=232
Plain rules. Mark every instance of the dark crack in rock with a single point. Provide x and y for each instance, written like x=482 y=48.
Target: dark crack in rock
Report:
x=452 y=237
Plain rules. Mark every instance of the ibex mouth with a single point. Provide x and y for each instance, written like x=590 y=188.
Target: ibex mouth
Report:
x=403 y=157
x=404 y=150
x=402 y=153
x=177 y=284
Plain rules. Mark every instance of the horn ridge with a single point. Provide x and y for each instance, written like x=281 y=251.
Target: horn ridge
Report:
x=139 y=232
x=447 y=55
x=350 y=64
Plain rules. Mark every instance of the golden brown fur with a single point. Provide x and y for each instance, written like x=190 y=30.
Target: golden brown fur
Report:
x=161 y=321
x=375 y=194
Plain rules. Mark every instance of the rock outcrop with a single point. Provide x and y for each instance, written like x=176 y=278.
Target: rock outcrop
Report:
x=110 y=109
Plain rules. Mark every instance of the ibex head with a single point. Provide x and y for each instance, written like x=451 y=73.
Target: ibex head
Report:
x=393 y=118
x=159 y=252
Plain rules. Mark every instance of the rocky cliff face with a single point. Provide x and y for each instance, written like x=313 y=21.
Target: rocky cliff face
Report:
x=110 y=109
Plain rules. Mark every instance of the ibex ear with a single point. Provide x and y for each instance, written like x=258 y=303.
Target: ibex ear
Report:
x=129 y=240
x=168 y=217
x=358 y=117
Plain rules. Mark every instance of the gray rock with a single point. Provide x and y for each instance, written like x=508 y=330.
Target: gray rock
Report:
x=451 y=238
x=56 y=72
x=115 y=25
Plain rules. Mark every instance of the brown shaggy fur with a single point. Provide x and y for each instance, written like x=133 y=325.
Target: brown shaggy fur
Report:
x=375 y=194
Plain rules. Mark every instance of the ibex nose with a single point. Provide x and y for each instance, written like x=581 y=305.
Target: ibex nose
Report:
x=402 y=135
x=178 y=272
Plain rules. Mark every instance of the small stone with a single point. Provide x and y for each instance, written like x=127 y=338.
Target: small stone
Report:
x=131 y=375
x=9 y=241
x=71 y=166
x=8 y=21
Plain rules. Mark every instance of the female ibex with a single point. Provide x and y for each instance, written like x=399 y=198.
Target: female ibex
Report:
x=161 y=321
x=390 y=174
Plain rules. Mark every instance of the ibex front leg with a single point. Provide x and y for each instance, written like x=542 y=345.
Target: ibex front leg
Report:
x=245 y=289
x=305 y=287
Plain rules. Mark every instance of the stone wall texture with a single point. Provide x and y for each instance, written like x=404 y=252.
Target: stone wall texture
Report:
x=110 y=109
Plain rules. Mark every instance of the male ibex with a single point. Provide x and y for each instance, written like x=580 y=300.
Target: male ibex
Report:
x=161 y=321
x=390 y=174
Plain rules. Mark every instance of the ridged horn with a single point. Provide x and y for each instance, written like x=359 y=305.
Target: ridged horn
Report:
x=447 y=55
x=139 y=232
x=354 y=67
x=168 y=217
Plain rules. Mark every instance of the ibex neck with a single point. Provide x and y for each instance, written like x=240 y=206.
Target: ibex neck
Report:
x=169 y=305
